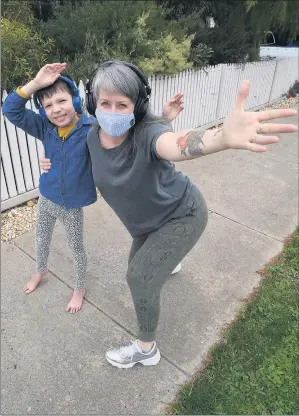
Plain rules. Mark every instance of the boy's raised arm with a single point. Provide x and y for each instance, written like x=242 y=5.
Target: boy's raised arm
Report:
x=14 y=109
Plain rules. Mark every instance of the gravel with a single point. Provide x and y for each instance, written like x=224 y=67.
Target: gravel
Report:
x=18 y=220
x=21 y=219
x=284 y=103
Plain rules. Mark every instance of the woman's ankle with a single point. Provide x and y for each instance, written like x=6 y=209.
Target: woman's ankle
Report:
x=146 y=346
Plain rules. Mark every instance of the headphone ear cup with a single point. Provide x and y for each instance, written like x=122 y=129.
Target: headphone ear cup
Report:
x=77 y=103
x=90 y=107
x=142 y=102
x=140 y=109
x=143 y=110
x=145 y=105
x=137 y=108
x=89 y=103
x=42 y=113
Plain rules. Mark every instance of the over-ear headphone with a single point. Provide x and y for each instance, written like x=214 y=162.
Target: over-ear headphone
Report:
x=77 y=100
x=142 y=102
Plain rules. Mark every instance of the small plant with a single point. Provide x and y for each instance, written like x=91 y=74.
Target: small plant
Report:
x=294 y=90
x=200 y=55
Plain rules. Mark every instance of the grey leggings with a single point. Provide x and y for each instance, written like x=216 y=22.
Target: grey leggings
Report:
x=154 y=257
x=72 y=219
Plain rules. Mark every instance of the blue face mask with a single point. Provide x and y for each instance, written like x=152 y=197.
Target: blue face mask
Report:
x=115 y=124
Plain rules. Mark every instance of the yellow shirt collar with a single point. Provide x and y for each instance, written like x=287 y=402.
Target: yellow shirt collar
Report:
x=64 y=131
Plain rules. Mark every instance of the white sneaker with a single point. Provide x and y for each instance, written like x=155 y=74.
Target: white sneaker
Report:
x=126 y=356
x=177 y=269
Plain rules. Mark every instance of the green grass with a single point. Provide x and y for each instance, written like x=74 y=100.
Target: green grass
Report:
x=255 y=369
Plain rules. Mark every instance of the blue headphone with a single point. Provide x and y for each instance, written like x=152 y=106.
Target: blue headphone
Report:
x=77 y=100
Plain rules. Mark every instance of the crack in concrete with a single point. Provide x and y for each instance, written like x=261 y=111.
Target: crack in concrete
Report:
x=247 y=226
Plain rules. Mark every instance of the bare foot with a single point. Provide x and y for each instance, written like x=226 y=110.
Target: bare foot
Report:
x=31 y=285
x=76 y=301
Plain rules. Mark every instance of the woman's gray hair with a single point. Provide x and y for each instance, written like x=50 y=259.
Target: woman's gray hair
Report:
x=119 y=78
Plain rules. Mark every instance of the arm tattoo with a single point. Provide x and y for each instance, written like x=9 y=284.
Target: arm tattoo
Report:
x=191 y=143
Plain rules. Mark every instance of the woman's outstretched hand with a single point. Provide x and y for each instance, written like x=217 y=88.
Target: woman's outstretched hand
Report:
x=247 y=130
x=173 y=107
x=45 y=164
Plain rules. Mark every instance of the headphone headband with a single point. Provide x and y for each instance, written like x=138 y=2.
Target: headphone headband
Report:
x=71 y=83
x=142 y=102
x=135 y=69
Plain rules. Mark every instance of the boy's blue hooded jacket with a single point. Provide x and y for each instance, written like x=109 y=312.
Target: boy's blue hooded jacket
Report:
x=69 y=182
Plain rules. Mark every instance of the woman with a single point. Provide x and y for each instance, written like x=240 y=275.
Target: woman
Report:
x=132 y=154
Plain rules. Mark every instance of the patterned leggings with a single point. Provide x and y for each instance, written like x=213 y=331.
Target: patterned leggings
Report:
x=47 y=214
x=154 y=257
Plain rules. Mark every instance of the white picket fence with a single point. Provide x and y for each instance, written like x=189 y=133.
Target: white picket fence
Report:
x=208 y=97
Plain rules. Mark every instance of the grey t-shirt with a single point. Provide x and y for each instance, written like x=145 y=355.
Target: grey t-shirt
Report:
x=144 y=190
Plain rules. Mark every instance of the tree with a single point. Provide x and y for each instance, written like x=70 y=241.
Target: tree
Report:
x=15 y=10
x=280 y=16
x=229 y=38
x=136 y=31
x=24 y=50
x=227 y=41
x=44 y=9
x=239 y=24
x=170 y=56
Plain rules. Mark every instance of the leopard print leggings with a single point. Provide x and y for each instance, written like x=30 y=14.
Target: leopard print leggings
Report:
x=47 y=214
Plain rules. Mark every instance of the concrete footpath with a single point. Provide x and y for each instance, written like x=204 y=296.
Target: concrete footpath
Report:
x=54 y=362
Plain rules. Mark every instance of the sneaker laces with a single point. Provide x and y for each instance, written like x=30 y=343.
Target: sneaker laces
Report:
x=127 y=350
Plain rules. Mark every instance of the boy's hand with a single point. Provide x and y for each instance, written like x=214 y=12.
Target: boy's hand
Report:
x=173 y=107
x=48 y=74
x=45 y=164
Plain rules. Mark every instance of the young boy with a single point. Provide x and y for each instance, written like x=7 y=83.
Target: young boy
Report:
x=69 y=185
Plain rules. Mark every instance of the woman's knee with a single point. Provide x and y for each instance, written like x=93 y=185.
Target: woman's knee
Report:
x=131 y=275
x=139 y=276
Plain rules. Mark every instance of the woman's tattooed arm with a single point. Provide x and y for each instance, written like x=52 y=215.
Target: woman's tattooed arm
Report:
x=191 y=144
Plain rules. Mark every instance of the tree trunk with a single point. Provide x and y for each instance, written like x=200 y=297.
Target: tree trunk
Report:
x=254 y=53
